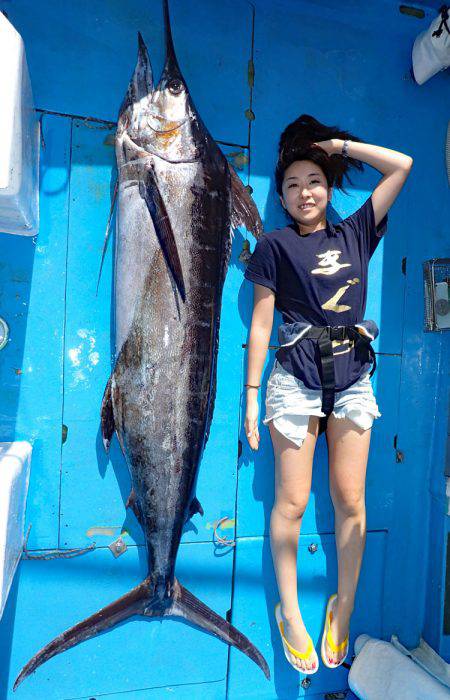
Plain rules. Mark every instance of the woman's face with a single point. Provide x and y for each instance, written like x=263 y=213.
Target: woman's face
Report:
x=306 y=194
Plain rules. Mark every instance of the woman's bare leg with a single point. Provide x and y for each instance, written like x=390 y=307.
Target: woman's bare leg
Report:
x=348 y=450
x=293 y=473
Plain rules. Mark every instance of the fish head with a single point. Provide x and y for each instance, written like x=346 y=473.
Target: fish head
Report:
x=163 y=120
x=172 y=118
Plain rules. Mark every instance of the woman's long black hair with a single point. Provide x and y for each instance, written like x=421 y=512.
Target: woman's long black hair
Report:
x=296 y=144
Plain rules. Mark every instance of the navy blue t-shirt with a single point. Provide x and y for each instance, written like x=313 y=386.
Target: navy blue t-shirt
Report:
x=320 y=278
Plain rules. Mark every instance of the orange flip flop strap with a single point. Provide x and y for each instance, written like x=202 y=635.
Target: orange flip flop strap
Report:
x=298 y=654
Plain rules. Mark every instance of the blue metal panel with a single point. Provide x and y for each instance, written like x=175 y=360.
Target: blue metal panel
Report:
x=330 y=68
x=90 y=493
x=93 y=491
x=433 y=626
x=253 y=612
x=138 y=654
x=423 y=397
x=439 y=523
x=438 y=570
x=97 y=45
x=194 y=691
x=33 y=281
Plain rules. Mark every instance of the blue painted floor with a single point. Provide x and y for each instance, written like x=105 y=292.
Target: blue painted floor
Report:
x=325 y=58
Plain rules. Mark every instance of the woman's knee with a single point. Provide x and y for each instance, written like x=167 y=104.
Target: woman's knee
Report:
x=290 y=508
x=350 y=503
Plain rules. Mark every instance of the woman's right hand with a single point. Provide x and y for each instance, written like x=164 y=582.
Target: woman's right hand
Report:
x=251 y=422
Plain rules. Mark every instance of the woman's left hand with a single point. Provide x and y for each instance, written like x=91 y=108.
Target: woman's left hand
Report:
x=330 y=146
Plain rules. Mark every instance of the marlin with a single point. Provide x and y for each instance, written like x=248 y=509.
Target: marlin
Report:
x=178 y=200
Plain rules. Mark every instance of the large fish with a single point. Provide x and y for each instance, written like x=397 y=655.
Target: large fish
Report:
x=177 y=200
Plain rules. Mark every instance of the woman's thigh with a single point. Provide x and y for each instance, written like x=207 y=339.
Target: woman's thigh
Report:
x=348 y=452
x=293 y=465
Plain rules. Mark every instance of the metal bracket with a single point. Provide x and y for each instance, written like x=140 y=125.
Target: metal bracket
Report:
x=118 y=547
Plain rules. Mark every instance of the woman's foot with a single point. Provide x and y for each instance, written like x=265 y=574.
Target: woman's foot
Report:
x=297 y=636
x=339 y=627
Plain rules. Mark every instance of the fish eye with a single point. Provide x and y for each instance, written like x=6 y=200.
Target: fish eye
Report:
x=175 y=86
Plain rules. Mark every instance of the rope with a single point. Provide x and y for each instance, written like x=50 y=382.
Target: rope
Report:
x=222 y=540
x=54 y=553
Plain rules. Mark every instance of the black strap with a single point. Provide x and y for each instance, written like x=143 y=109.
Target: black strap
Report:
x=443 y=11
x=324 y=336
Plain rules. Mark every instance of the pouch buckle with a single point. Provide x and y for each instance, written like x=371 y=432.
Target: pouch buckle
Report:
x=337 y=332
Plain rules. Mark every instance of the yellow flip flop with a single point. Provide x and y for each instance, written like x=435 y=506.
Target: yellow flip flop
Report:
x=309 y=655
x=328 y=637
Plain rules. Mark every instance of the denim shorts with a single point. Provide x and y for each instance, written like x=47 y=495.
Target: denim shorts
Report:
x=289 y=403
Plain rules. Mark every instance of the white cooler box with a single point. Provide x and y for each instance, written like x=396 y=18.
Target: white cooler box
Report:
x=19 y=138
x=15 y=458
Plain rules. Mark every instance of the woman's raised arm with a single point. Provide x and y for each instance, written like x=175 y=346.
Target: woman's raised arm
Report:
x=394 y=165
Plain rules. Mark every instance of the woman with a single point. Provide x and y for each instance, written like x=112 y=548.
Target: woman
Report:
x=315 y=273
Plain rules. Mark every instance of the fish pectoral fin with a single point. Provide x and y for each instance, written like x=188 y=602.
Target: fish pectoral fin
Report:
x=186 y=605
x=244 y=211
x=132 y=503
x=108 y=229
x=107 y=416
x=195 y=507
x=157 y=209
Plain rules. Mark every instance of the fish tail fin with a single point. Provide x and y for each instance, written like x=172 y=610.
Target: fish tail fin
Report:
x=186 y=605
x=144 y=599
x=132 y=603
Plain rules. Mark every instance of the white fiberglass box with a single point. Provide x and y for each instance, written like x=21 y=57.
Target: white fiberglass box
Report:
x=15 y=458
x=19 y=138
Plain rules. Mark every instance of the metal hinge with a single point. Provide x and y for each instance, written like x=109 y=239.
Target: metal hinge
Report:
x=251 y=73
x=399 y=455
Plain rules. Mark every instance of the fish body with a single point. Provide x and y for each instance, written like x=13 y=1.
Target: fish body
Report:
x=167 y=347
x=177 y=200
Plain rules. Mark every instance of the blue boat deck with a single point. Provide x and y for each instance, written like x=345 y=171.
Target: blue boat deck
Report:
x=346 y=63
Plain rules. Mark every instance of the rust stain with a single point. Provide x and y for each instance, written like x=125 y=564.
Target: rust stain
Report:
x=98 y=190
x=107 y=531
x=226 y=525
x=169 y=131
x=109 y=140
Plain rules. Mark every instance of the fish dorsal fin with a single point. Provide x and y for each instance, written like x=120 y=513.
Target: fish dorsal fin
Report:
x=141 y=83
x=244 y=211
